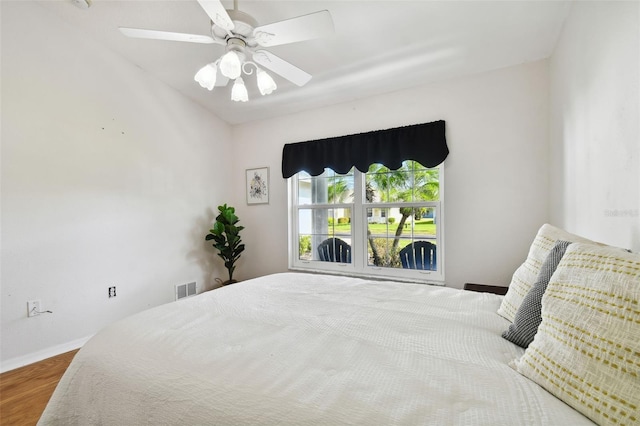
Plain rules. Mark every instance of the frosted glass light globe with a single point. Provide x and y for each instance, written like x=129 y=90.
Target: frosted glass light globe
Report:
x=206 y=76
x=230 y=65
x=266 y=85
x=239 y=91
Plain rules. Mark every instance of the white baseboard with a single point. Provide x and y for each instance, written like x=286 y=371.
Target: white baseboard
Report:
x=13 y=363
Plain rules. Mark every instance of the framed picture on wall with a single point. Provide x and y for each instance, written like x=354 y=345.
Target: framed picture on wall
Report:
x=258 y=186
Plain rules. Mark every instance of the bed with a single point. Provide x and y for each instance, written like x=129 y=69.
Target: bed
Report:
x=303 y=349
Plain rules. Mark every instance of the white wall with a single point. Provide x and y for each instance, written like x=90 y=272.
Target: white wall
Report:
x=109 y=178
x=595 y=121
x=495 y=176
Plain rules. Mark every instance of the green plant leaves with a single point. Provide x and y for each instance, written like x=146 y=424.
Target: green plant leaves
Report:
x=226 y=235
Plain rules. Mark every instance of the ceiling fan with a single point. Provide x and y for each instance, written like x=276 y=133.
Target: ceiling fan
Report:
x=244 y=40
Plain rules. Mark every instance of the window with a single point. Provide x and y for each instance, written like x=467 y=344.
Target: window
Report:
x=389 y=221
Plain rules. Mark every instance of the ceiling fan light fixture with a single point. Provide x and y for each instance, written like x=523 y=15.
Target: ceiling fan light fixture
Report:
x=240 y=33
x=266 y=85
x=206 y=76
x=239 y=91
x=230 y=65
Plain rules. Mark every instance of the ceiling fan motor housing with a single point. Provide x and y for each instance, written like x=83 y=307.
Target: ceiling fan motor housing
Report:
x=243 y=28
x=237 y=45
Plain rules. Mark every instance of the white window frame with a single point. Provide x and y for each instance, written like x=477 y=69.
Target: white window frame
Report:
x=358 y=265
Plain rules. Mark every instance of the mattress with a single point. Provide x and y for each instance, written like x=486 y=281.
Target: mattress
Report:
x=297 y=348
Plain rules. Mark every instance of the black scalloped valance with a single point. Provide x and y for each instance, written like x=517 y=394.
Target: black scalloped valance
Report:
x=424 y=143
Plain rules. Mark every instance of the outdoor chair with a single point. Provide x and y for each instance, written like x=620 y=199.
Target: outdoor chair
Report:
x=334 y=250
x=419 y=255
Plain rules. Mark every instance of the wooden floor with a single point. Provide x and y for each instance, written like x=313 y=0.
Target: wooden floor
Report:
x=25 y=391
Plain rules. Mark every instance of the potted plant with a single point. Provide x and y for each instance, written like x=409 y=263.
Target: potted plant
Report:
x=226 y=237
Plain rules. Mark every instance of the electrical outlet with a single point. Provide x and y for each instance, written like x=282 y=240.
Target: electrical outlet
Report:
x=33 y=308
x=112 y=292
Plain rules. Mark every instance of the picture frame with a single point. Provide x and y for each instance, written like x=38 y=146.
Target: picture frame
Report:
x=258 y=186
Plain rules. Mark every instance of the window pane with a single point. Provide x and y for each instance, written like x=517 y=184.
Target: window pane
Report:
x=304 y=190
x=418 y=254
x=340 y=189
x=375 y=187
x=334 y=249
x=424 y=224
x=318 y=225
x=400 y=186
x=380 y=232
x=412 y=182
x=327 y=188
x=304 y=247
x=381 y=251
x=427 y=185
x=389 y=230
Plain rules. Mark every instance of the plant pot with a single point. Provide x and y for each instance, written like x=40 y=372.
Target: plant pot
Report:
x=227 y=282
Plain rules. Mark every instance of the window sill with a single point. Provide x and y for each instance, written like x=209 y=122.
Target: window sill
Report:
x=368 y=276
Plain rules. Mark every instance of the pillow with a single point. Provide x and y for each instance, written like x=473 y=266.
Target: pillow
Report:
x=524 y=277
x=527 y=319
x=587 y=349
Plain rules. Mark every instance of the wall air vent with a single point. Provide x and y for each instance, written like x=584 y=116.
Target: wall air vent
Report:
x=186 y=290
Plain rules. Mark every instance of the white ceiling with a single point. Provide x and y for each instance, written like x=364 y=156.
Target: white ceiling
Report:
x=378 y=46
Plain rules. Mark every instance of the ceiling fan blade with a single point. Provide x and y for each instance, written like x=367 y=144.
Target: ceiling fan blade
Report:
x=281 y=67
x=217 y=13
x=166 y=35
x=306 y=27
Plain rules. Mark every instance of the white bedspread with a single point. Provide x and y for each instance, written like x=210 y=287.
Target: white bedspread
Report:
x=301 y=349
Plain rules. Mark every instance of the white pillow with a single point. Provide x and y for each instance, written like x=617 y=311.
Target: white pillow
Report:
x=587 y=348
x=525 y=276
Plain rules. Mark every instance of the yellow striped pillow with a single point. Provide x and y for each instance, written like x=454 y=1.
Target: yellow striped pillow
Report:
x=525 y=276
x=587 y=349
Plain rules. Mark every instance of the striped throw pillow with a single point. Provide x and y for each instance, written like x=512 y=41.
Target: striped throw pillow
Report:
x=587 y=349
x=525 y=276
x=525 y=325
